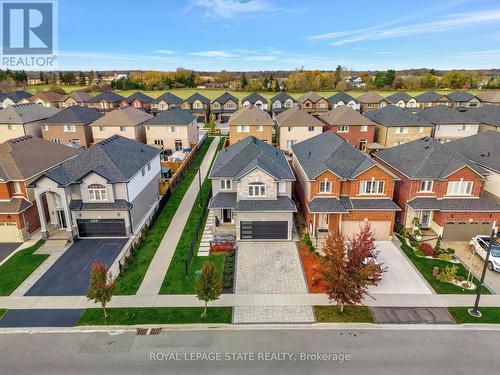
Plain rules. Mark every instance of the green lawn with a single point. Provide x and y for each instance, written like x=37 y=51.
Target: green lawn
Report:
x=155 y=315
x=19 y=267
x=2 y=313
x=129 y=283
x=425 y=266
x=351 y=314
x=461 y=315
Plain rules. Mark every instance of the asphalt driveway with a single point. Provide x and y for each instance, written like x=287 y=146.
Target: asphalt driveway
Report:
x=6 y=249
x=69 y=276
x=40 y=318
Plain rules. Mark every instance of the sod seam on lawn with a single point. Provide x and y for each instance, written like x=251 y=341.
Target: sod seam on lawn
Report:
x=351 y=314
x=130 y=282
x=155 y=315
x=490 y=315
x=19 y=267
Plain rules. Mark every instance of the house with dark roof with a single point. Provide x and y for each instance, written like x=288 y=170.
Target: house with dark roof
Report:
x=431 y=99
x=106 y=101
x=71 y=126
x=164 y=102
x=488 y=117
x=252 y=192
x=403 y=100
x=223 y=107
x=449 y=123
x=105 y=191
x=296 y=125
x=313 y=103
x=23 y=119
x=281 y=102
x=255 y=100
x=22 y=160
x=250 y=121
x=371 y=101
x=440 y=191
x=342 y=98
x=463 y=99
x=174 y=129
x=340 y=189
x=490 y=97
x=138 y=100
x=80 y=98
x=13 y=98
x=199 y=106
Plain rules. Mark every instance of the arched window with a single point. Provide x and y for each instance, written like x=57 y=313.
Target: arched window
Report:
x=256 y=189
x=97 y=192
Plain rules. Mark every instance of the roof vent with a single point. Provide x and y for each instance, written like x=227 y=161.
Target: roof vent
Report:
x=309 y=154
x=426 y=147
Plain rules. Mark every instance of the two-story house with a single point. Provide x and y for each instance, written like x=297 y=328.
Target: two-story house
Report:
x=396 y=125
x=164 y=102
x=13 y=98
x=124 y=121
x=22 y=160
x=489 y=97
x=199 y=106
x=449 y=123
x=23 y=119
x=106 y=191
x=252 y=189
x=403 y=100
x=80 y=98
x=71 y=126
x=255 y=100
x=106 y=101
x=313 y=103
x=463 y=99
x=296 y=125
x=342 y=98
x=46 y=99
x=351 y=125
x=174 y=129
x=223 y=107
x=371 y=101
x=281 y=102
x=440 y=191
x=340 y=189
x=431 y=99
x=138 y=100
x=488 y=117
x=248 y=121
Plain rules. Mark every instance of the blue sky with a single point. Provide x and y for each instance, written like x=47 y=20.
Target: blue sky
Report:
x=278 y=34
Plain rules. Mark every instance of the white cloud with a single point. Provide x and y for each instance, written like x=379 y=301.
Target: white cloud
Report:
x=164 y=51
x=230 y=8
x=217 y=54
x=259 y=58
x=484 y=53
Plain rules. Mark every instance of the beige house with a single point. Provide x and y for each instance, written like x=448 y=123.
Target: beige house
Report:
x=296 y=125
x=46 y=99
x=80 y=98
x=124 y=121
x=371 y=101
x=450 y=123
x=488 y=117
x=490 y=97
x=250 y=121
x=313 y=103
x=173 y=129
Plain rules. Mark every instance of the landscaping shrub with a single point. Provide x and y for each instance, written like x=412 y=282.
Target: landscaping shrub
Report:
x=427 y=249
x=400 y=229
x=448 y=274
x=444 y=256
x=226 y=247
x=414 y=244
x=437 y=247
x=450 y=251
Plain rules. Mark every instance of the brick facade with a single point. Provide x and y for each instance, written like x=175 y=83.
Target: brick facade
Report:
x=354 y=135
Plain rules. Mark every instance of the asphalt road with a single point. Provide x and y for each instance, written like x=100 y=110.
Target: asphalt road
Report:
x=255 y=352
x=6 y=249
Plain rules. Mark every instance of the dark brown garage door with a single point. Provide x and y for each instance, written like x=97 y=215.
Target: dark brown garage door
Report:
x=464 y=231
x=264 y=230
x=101 y=227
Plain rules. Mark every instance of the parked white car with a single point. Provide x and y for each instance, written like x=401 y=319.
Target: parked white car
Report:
x=480 y=244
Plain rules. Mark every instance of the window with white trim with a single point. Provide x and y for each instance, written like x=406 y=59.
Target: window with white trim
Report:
x=371 y=187
x=256 y=189
x=225 y=184
x=420 y=129
x=276 y=104
x=289 y=104
x=342 y=129
x=17 y=187
x=325 y=187
x=123 y=128
x=243 y=128
x=69 y=128
x=364 y=128
x=459 y=188
x=56 y=140
x=426 y=186
x=290 y=143
x=172 y=129
x=162 y=106
x=310 y=128
x=260 y=128
x=97 y=192
x=102 y=128
x=322 y=105
x=281 y=187
x=158 y=142
x=45 y=128
x=197 y=105
x=402 y=130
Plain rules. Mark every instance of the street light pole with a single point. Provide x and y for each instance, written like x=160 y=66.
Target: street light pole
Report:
x=474 y=311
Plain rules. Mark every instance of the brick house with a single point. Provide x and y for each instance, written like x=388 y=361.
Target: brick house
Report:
x=106 y=101
x=199 y=106
x=13 y=98
x=250 y=121
x=164 y=102
x=46 y=98
x=255 y=100
x=440 y=191
x=80 y=98
x=342 y=98
x=281 y=102
x=138 y=100
x=463 y=99
x=372 y=101
x=341 y=188
x=223 y=107
x=403 y=100
x=313 y=103
x=432 y=99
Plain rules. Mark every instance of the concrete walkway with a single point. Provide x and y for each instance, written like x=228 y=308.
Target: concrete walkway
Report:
x=158 y=268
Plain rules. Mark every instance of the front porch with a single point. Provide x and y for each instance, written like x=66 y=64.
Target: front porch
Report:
x=421 y=226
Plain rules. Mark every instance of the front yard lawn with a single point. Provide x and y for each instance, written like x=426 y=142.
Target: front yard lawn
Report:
x=490 y=315
x=131 y=280
x=19 y=267
x=155 y=315
x=351 y=314
x=2 y=313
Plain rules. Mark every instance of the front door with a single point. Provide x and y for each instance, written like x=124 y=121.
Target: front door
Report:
x=227 y=215
x=178 y=145
x=61 y=219
x=425 y=219
x=323 y=220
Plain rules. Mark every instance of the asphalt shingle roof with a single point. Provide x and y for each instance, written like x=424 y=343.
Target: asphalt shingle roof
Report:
x=118 y=204
x=428 y=96
x=282 y=97
x=14 y=206
x=297 y=117
x=196 y=96
x=226 y=97
x=139 y=96
x=280 y=204
x=341 y=96
x=345 y=115
x=168 y=98
x=17 y=96
x=74 y=115
x=397 y=96
x=79 y=96
x=442 y=115
x=109 y=96
x=25 y=113
x=254 y=97
x=392 y=115
x=123 y=116
x=250 y=116
x=326 y=205
x=486 y=114
x=174 y=116
x=489 y=96
x=311 y=95
x=486 y=202
x=371 y=98
x=460 y=96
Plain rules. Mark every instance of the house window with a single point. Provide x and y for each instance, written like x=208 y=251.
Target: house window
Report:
x=75 y=141
x=362 y=144
x=277 y=104
x=402 y=130
x=260 y=128
x=69 y=128
x=230 y=105
x=290 y=128
x=243 y=128
x=122 y=128
x=325 y=187
x=137 y=104
x=364 y=128
x=143 y=171
x=215 y=105
x=290 y=143
x=463 y=128
x=420 y=129
x=281 y=187
x=225 y=184
x=17 y=187
x=56 y=140
x=197 y=105
x=257 y=189
x=369 y=105
x=158 y=142
x=288 y=104
x=172 y=129
x=97 y=192
x=343 y=129
x=310 y=128
x=45 y=128
x=426 y=185
x=459 y=188
x=12 y=127
x=371 y=187
x=178 y=145
x=102 y=128
x=322 y=105
x=149 y=166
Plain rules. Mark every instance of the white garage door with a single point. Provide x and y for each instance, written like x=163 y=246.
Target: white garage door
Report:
x=9 y=233
x=381 y=229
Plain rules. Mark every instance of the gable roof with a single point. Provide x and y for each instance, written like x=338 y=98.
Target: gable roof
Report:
x=174 y=116
x=139 y=96
x=481 y=148
x=442 y=114
x=344 y=115
x=250 y=116
x=17 y=96
x=282 y=97
x=486 y=114
x=297 y=117
x=123 y=116
x=397 y=96
x=74 y=114
x=225 y=98
x=341 y=96
x=392 y=115
x=109 y=96
x=168 y=98
x=79 y=96
x=117 y=159
x=197 y=96
x=371 y=98
x=47 y=96
x=329 y=152
x=24 y=157
x=25 y=113
x=460 y=96
x=247 y=154
x=426 y=158
x=311 y=95
x=429 y=96
x=489 y=96
x=253 y=98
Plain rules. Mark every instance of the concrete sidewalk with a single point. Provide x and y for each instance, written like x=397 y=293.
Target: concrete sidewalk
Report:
x=155 y=274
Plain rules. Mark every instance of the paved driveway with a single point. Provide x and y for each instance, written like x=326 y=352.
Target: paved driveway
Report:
x=40 y=318
x=400 y=277
x=69 y=276
x=6 y=249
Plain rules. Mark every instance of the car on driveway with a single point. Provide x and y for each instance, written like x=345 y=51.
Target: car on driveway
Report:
x=480 y=244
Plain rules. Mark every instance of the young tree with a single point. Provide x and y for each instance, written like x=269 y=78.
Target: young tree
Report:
x=338 y=75
x=345 y=271
x=100 y=285
x=209 y=285
x=243 y=81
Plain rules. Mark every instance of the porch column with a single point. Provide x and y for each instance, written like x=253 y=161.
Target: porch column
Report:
x=67 y=215
x=41 y=215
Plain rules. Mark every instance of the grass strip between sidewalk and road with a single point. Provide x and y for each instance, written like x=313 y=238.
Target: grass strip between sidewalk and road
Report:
x=2 y=313
x=155 y=315
x=131 y=280
x=490 y=315
x=351 y=314
x=19 y=267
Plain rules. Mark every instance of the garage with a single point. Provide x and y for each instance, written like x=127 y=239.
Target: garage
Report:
x=464 y=231
x=224 y=118
x=9 y=232
x=381 y=229
x=101 y=228
x=264 y=230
